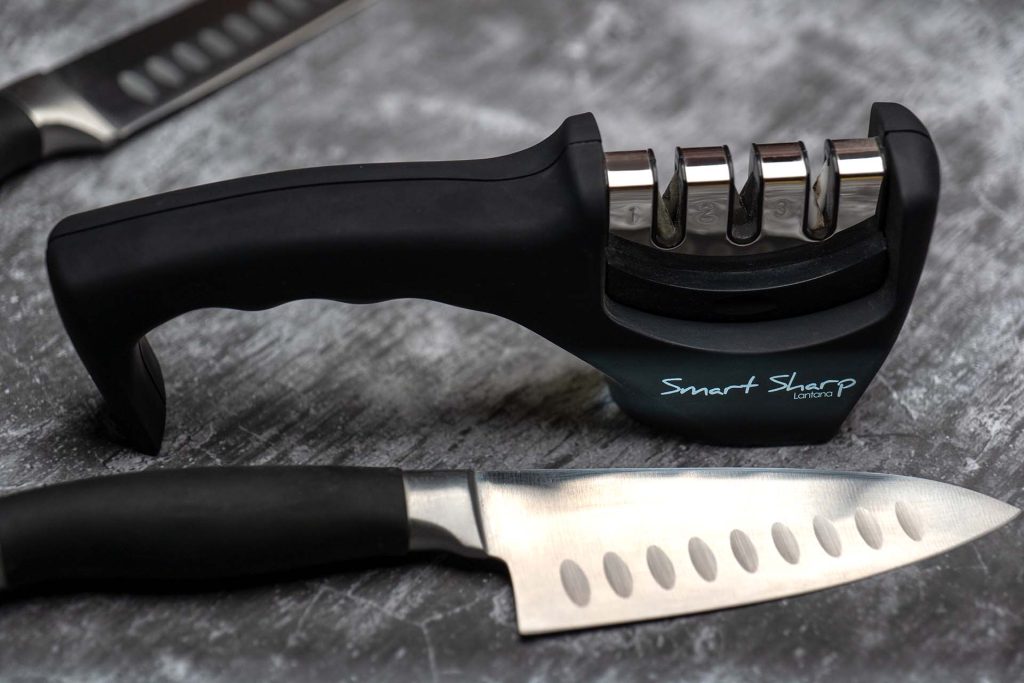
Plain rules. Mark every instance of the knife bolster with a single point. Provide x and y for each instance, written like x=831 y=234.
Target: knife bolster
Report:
x=66 y=122
x=20 y=142
x=444 y=512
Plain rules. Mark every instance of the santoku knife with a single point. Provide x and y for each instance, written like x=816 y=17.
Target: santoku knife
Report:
x=97 y=100
x=583 y=547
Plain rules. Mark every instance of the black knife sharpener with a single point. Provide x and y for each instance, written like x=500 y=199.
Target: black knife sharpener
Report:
x=750 y=318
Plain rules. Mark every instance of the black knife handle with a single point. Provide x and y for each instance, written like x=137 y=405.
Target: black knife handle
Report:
x=487 y=235
x=201 y=524
x=20 y=142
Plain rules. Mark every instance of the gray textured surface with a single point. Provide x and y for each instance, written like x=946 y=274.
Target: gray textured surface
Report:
x=422 y=385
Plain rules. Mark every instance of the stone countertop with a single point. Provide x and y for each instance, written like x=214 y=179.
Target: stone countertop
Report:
x=417 y=384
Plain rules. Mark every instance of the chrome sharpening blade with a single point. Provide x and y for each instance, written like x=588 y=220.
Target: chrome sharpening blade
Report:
x=779 y=207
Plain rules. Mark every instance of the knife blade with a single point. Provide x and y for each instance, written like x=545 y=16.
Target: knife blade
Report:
x=101 y=98
x=583 y=548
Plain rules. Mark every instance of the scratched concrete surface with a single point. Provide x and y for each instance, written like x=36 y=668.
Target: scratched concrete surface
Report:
x=417 y=384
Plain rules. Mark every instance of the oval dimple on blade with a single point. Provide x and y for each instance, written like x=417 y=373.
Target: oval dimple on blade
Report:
x=216 y=43
x=137 y=86
x=619 y=577
x=190 y=57
x=743 y=550
x=868 y=528
x=909 y=521
x=241 y=29
x=703 y=559
x=266 y=15
x=164 y=71
x=786 y=543
x=575 y=583
x=293 y=7
x=827 y=536
x=661 y=567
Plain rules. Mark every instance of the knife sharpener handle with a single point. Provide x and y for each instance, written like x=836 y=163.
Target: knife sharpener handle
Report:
x=483 y=234
x=20 y=142
x=201 y=524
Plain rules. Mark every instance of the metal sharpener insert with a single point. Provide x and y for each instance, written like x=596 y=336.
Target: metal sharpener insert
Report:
x=707 y=195
x=632 y=194
x=848 y=187
x=782 y=178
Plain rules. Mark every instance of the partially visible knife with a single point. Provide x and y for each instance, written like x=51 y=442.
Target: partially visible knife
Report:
x=100 y=98
x=583 y=547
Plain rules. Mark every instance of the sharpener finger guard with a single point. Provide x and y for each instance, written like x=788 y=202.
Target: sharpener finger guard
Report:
x=751 y=317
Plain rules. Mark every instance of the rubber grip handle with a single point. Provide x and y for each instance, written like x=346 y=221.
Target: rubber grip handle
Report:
x=473 y=234
x=20 y=142
x=201 y=524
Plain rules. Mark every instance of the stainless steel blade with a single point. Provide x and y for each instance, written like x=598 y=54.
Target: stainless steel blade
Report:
x=594 y=547
x=102 y=97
